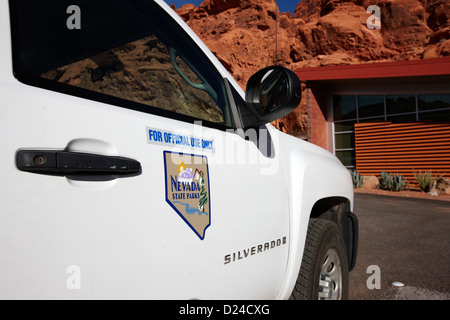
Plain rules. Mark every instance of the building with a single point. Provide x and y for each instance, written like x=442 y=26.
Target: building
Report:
x=389 y=116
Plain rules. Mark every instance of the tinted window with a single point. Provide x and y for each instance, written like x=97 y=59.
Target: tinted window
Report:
x=409 y=117
x=436 y=116
x=344 y=107
x=130 y=51
x=370 y=106
x=347 y=158
x=344 y=126
x=400 y=104
x=344 y=141
x=433 y=101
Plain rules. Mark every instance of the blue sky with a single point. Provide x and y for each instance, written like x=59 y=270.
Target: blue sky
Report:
x=284 y=5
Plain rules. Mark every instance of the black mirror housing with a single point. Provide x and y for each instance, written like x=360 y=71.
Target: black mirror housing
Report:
x=271 y=93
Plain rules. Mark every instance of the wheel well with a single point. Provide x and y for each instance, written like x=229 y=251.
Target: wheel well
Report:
x=337 y=209
x=324 y=208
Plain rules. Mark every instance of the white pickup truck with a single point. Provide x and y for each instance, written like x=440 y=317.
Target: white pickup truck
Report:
x=134 y=166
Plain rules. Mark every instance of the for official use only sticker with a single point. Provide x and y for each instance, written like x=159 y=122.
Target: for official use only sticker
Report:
x=179 y=140
x=187 y=189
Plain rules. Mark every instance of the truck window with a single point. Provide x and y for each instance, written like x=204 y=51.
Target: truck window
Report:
x=128 y=53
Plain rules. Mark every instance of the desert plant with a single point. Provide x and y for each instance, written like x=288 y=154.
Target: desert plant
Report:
x=356 y=178
x=398 y=183
x=426 y=179
x=392 y=182
x=385 y=181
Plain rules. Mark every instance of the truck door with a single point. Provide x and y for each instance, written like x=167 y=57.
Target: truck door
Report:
x=123 y=175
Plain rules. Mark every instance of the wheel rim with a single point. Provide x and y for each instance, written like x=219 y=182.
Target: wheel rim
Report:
x=330 y=282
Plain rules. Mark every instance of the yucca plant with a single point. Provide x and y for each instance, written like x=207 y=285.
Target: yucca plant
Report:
x=356 y=178
x=426 y=179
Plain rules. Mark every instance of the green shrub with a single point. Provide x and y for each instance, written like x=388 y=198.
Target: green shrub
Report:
x=385 y=181
x=398 y=183
x=392 y=182
x=426 y=179
x=356 y=178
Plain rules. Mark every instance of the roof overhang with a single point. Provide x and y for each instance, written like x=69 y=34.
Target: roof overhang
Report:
x=378 y=70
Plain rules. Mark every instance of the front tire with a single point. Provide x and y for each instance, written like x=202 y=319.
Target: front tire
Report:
x=324 y=270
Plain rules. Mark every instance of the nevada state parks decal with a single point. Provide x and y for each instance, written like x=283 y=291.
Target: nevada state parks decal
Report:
x=187 y=189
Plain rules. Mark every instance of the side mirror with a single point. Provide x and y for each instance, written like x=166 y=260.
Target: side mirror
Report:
x=272 y=93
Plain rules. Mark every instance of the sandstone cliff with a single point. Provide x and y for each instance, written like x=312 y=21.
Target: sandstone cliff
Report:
x=242 y=34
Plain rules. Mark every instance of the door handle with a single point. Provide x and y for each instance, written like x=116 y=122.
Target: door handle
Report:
x=66 y=163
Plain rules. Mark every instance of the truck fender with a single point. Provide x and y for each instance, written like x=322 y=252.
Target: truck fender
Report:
x=312 y=174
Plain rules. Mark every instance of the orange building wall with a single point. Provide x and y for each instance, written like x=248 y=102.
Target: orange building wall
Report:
x=403 y=147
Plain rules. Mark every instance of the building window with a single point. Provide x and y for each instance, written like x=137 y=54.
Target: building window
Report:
x=347 y=158
x=345 y=116
x=399 y=104
x=442 y=115
x=429 y=102
x=434 y=106
x=399 y=118
x=344 y=140
x=351 y=109
x=370 y=106
x=344 y=107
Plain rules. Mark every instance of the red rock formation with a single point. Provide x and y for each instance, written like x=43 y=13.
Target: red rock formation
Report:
x=242 y=34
